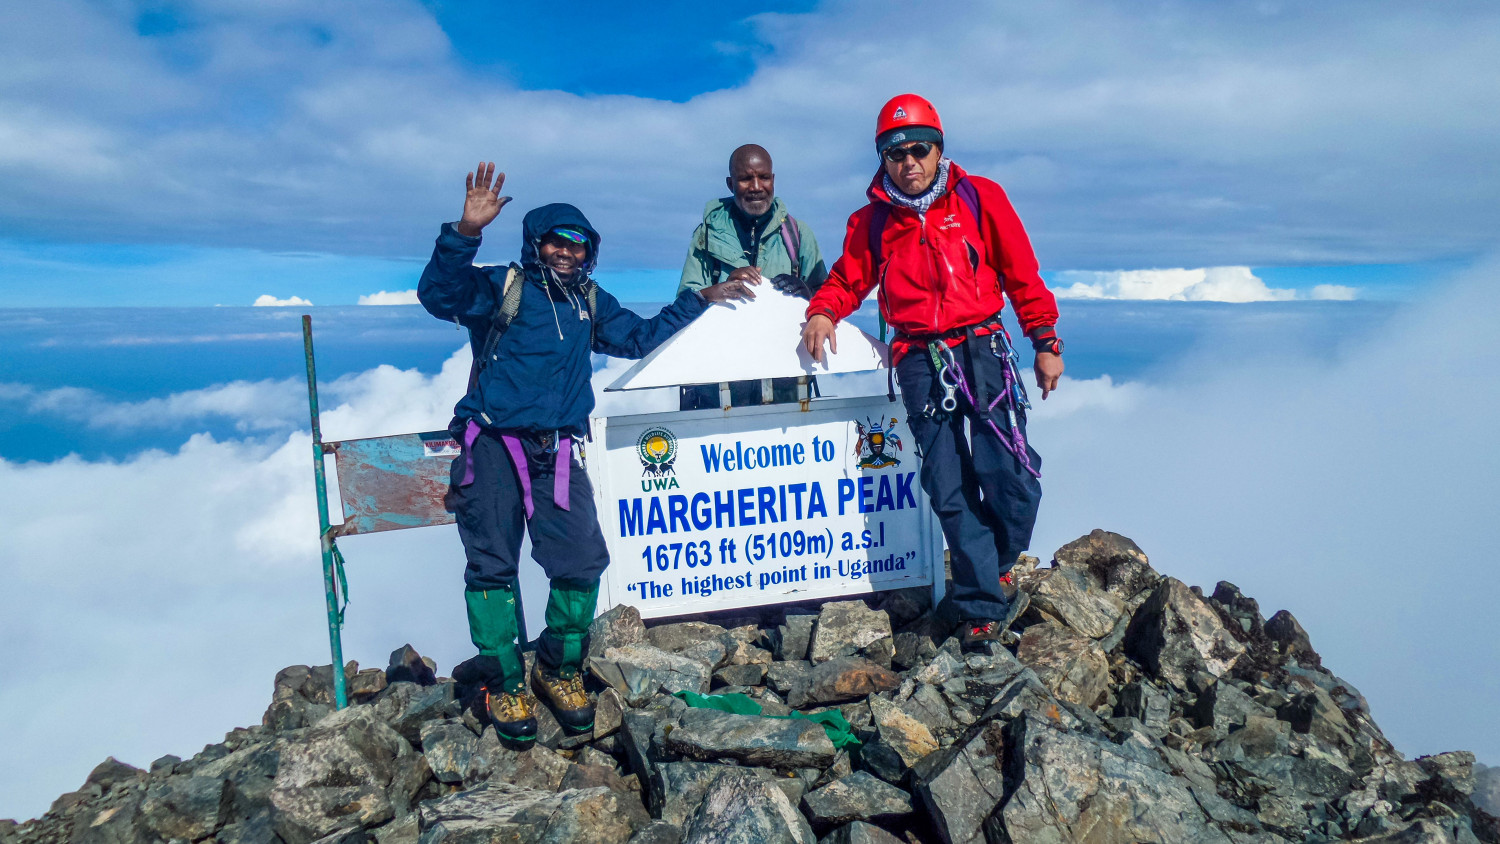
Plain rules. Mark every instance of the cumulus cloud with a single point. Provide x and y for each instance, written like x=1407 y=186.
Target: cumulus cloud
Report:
x=1209 y=284
x=1176 y=135
x=266 y=300
x=395 y=297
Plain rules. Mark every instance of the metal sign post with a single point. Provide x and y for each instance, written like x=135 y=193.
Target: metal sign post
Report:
x=332 y=560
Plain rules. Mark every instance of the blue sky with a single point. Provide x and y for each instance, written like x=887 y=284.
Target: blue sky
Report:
x=196 y=153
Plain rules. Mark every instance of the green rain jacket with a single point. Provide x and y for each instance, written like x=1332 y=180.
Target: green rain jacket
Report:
x=716 y=250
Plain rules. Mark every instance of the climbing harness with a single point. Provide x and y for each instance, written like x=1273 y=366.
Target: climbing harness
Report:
x=562 y=463
x=951 y=376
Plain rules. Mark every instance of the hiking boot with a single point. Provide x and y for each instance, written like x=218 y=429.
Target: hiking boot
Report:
x=566 y=698
x=512 y=714
x=978 y=635
x=1017 y=600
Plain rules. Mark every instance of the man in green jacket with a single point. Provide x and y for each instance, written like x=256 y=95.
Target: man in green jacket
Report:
x=747 y=237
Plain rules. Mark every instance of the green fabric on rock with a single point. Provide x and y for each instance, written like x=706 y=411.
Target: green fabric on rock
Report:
x=493 y=627
x=833 y=722
x=733 y=702
x=570 y=611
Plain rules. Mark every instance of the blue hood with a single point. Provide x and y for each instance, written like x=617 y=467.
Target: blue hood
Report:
x=539 y=221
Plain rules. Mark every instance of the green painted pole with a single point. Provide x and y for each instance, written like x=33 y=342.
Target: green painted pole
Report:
x=325 y=537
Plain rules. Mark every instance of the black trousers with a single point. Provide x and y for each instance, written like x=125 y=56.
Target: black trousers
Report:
x=491 y=515
x=984 y=498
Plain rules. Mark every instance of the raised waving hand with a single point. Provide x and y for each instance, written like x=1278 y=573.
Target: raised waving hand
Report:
x=482 y=203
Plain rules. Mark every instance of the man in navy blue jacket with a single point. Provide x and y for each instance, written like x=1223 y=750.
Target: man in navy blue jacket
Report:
x=528 y=402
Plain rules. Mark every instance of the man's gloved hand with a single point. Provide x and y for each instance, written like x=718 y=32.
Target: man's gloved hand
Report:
x=792 y=285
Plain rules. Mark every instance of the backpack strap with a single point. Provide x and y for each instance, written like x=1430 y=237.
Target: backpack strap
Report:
x=970 y=196
x=880 y=213
x=510 y=305
x=791 y=238
x=592 y=296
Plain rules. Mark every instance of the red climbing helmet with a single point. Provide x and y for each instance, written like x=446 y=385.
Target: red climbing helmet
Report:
x=906 y=110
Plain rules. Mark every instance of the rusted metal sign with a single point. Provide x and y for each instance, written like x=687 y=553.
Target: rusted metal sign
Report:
x=390 y=483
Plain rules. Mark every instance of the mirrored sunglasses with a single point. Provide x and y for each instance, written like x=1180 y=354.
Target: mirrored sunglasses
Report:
x=919 y=149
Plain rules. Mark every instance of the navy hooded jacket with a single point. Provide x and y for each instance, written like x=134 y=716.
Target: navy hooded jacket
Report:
x=538 y=380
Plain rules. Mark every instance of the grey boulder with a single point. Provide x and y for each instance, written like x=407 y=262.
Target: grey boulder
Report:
x=741 y=808
x=708 y=734
x=1176 y=634
x=856 y=797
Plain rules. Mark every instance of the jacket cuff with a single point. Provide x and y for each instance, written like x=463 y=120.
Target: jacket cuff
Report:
x=451 y=230
x=1041 y=335
x=821 y=310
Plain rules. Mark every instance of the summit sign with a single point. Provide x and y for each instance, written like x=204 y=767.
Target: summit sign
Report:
x=708 y=510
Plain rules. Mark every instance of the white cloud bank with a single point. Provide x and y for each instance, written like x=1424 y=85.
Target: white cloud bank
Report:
x=395 y=297
x=266 y=300
x=1208 y=284
x=1358 y=492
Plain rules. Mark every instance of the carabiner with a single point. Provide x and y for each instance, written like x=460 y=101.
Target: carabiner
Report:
x=948 y=375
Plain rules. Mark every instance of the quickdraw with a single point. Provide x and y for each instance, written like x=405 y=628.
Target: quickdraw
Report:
x=951 y=376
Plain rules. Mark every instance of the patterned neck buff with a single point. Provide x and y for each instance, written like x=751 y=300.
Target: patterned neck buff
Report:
x=923 y=201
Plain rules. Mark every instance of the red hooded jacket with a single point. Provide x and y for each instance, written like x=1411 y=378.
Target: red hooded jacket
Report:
x=942 y=272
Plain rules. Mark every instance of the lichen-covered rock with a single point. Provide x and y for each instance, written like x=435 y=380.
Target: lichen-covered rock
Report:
x=740 y=675
x=609 y=709
x=617 y=627
x=1071 y=666
x=1283 y=629
x=842 y=679
x=499 y=812
x=680 y=636
x=538 y=767
x=845 y=628
x=1075 y=788
x=1315 y=712
x=449 y=746
x=859 y=832
x=645 y=670
x=187 y=807
x=1146 y=704
x=408 y=666
x=961 y=785
x=904 y=734
x=707 y=734
x=1113 y=562
x=856 y=797
x=741 y=808
x=794 y=636
x=1175 y=635
x=1223 y=707
x=304 y=814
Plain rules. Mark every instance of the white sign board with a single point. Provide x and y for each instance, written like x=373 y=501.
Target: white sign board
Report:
x=715 y=509
x=769 y=330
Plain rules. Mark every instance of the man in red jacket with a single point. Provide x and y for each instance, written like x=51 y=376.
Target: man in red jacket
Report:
x=947 y=250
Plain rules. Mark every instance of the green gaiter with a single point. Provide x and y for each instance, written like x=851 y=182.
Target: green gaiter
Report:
x=493 y=627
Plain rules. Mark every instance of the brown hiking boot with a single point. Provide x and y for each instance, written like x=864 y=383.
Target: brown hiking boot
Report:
x=512 y=714
x=567 y=698
x=980 y=632
x=1017 y=599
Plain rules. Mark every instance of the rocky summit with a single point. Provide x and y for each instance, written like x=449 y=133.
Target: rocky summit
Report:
x=1129 y=707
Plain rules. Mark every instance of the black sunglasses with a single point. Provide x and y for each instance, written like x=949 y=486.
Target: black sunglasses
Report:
x=919 y=149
